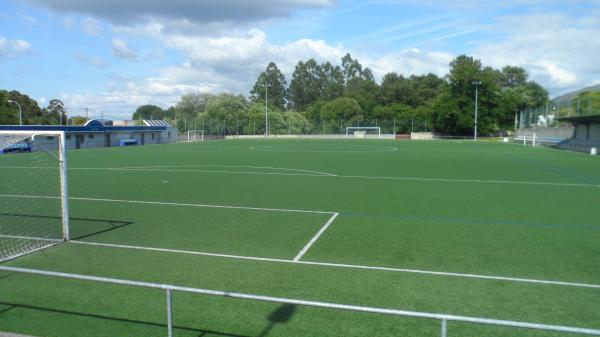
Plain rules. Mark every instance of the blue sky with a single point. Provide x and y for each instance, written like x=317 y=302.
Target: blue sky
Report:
x=112 y=56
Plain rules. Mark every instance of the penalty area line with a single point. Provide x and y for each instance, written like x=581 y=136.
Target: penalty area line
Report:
x=315 y=238
x=348 y=266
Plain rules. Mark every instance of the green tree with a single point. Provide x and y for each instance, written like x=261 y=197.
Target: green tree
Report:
x=275 y=81
x=342 y=108
x=77 y=120
x=306 y=86
x=228 y=111
x=189 y=107
x=148 y=111
x=31 y=112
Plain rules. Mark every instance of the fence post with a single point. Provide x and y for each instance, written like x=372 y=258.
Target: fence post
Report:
x=169 y=313
x=444 y=328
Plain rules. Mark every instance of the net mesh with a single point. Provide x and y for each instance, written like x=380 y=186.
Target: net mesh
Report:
x=30 y=204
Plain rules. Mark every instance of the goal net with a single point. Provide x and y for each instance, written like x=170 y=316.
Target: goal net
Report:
x=195 y=136
x=33 y=192
x=363 y=132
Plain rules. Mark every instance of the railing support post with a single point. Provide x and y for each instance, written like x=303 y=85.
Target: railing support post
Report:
x=169 y=312
x=444 y=328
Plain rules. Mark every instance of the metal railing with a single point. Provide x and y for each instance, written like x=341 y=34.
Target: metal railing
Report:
x=443 y=318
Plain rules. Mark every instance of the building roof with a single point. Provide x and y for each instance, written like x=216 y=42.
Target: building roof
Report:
x=156 y=122
x=90 y=126
x=581 y=119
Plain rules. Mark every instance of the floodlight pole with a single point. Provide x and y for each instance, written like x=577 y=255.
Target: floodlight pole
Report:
x=20 y=111
x=477 y=84
x=266 y=111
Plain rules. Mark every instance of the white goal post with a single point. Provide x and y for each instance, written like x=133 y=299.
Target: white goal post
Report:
x=34 y=168
x=361 y=131
x=195 y=135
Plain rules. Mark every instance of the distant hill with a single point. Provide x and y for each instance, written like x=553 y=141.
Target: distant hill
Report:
x=566 y=99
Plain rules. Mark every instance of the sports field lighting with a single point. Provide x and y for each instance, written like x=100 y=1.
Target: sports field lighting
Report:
x=266 y=110
x=20 y=111
x=476 y=84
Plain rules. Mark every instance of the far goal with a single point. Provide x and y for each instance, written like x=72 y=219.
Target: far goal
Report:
x=363 y=132
x=33 y=192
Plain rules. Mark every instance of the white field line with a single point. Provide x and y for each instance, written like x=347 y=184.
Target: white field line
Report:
x=448 y=180
x=30 y=251
x=320 y=174
x=482 y=181
x=315 y=238
x=265 y=149
x=168 y=203
x=35 y=238
x=232 y=166
x=349 y=266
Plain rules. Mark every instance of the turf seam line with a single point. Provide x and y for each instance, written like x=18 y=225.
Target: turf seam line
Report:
x=169 y=203
x=350 y=266
x=315 y=238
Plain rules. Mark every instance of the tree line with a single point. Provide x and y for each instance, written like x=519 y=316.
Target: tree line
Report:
x=322 y=97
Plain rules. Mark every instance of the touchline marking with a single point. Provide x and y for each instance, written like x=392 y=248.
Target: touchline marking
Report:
x=315 y=238
x=204 y=171
x=349 y=266
x=167 y=203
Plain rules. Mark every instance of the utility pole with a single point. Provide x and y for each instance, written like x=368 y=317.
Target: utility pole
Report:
x=477 y=84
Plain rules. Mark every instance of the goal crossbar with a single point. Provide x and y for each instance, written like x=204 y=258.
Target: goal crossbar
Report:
x=363 y=129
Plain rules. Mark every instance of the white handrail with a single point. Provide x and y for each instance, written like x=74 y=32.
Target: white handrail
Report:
x=442 y=317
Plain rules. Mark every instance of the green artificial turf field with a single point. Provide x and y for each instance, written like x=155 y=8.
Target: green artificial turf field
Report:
x=238 y=215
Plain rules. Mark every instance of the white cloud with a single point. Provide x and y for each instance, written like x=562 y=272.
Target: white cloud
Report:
x=122 y=50
x=91 y=26
x=559 y=52
x=13 y=48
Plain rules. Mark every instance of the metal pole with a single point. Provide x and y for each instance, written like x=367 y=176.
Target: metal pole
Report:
x=170 y=312
x=289 y=128
x=394 y=126
x=20 y=111
x=476 y=97
x=266 y=111
x=62 y=139
x=477 y=84
x=444 y=328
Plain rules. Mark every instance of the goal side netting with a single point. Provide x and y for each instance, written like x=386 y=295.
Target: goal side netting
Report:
x=33 y=192
x=363 y=132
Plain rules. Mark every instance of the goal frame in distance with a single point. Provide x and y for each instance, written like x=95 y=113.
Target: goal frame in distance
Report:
x=62 y=159
x=363 y=128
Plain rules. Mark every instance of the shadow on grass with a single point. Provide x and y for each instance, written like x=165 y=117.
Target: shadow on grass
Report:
x=281 y=315
x=113 y=224
x=202 y=332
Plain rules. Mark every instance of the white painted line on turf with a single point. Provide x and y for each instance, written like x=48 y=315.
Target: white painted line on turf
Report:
x=29 y=252
x=350 y=266
x=178 y=251
x=517 y=182
x=315 y=238
x=232 y=166
x=167 y=203
x=203 y=171
x=450 y=180
x=35 y=238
